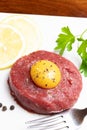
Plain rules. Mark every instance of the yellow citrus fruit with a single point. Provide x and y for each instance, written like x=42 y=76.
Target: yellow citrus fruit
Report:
x=29 y=30
x=11 y=45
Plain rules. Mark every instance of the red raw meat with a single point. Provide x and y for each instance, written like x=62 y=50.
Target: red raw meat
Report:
x=40 y=100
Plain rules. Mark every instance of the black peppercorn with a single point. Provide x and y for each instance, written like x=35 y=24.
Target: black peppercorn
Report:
x=4 y=108
x=12 y=107
x=0 y=104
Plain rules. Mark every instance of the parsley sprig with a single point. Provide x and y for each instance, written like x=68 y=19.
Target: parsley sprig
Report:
x=65 y=41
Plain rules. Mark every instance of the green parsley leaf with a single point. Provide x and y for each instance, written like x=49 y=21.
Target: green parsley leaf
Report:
x=83 y=68
x=64 y=40
x=82 y=52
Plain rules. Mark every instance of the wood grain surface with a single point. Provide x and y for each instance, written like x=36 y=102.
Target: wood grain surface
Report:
x=76 y=8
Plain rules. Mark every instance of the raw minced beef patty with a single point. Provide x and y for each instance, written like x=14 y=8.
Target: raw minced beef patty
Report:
x=40 y=100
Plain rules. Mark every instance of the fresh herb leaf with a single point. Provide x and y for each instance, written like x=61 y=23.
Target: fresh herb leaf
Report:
x=65 y=40
x=83 y=68
x=82 y=52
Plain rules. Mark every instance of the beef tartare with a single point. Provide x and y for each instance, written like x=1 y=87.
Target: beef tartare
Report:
x=38 y=93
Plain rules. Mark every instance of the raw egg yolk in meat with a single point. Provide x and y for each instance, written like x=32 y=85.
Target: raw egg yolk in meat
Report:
x=45 y=74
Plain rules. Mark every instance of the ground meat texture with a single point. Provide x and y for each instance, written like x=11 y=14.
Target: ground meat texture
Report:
x=40 y=100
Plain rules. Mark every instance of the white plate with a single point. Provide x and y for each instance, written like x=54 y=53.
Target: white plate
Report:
x=50 y=27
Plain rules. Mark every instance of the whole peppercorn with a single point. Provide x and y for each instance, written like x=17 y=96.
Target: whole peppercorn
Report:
x=4 y=108
x=0 y=104
x=12 y=107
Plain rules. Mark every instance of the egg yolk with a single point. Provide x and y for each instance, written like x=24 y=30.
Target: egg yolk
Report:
x=45 y=74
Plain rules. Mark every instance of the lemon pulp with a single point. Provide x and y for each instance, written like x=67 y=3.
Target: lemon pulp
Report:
x=29 y=30
x=11 y=45
x=45 y=74
x=19 y=35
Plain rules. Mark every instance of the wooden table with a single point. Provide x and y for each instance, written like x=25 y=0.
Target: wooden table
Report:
x=76 y=8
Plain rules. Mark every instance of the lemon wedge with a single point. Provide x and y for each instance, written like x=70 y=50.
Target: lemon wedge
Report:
x=29 y=30
x=12 y=45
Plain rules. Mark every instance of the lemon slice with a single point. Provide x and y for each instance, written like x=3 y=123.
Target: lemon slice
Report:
x=29 y=30
x=11 y=45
